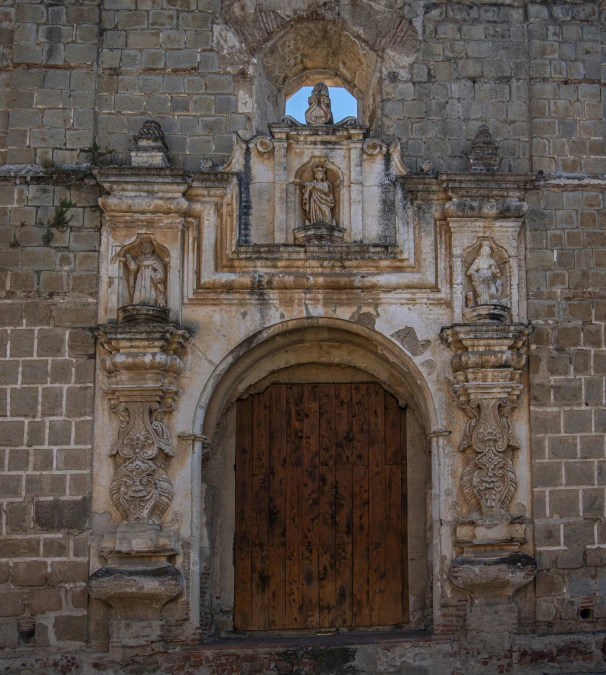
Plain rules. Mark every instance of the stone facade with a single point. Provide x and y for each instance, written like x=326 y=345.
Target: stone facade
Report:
x=462 y=267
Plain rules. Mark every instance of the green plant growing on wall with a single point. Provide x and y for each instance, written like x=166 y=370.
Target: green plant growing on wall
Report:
x=60 y=221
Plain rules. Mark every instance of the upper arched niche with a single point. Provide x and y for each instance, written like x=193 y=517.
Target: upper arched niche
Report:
x=307 y=52
x=352 y=44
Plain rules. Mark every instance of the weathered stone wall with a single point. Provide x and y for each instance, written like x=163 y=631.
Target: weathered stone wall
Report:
x=46 y=369
x=158 y=61
x=566 y=240
x=52 y=80
x=532 y=72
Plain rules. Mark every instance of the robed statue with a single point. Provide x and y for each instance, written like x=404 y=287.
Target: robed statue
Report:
x=486 y=277
x=147 y=276
x=318 y=198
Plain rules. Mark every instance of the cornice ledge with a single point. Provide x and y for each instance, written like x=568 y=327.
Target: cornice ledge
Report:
x=487 y=185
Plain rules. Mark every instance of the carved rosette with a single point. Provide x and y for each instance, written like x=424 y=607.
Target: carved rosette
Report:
x=488 y=365
x=142 y=372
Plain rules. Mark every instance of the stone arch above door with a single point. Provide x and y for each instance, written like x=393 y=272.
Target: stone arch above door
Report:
x=252 y=360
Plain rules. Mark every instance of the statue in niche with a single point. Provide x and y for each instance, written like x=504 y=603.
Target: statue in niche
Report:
x=318 y=198
x=485 y=278
x=147 y=276
x=319 y=111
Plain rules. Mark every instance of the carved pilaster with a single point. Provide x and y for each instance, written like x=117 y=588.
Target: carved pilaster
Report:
x=488 y=363
x=142 y=368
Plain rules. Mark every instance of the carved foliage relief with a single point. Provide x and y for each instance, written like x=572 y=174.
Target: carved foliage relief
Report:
x=488 y=479
x=141 y=489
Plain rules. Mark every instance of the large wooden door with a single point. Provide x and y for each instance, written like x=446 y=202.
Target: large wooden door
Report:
x=321 y=518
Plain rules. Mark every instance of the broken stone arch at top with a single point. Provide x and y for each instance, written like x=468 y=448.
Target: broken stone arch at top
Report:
x=292 y=52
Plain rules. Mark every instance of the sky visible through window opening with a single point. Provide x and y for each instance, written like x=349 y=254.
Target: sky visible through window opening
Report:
x=343 y=104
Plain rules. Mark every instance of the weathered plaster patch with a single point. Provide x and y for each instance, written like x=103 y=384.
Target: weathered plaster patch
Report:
x=407 y=337
x=368 y=319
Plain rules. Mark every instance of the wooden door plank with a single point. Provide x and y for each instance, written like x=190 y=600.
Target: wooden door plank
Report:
x=242 y=587
x=344 y=504
x=311 y=465
x=376 y=583
x=310 y=610
x=261 y=429
x=326 y=397
x=359 y=406
x=361 y=616
x=376 y=455
x=294 y=435
x=277 y=587
x=393 y=444
x=310 y=506
x=343 y=430
x=294 y=542
x=260 y=520
x=260 y=588
x=393 y=545
x=344 y=583
x=244 y=466
x=277 y=465
x=327 y=548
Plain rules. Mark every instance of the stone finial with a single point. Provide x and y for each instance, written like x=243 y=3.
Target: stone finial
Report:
x=319 y=111
x=151 y=150
x=484 y=154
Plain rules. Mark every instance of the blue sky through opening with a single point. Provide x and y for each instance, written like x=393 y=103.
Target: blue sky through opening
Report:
x=343 y=104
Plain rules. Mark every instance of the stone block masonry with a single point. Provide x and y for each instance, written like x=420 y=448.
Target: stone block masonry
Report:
x=160 y=62
x=566 y=280
x=50 y=86
x=47 y=303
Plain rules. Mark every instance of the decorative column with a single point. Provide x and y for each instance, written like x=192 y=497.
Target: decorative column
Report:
x=140 y=292
x=487 y=364
x=489 y=340
x=142 y=367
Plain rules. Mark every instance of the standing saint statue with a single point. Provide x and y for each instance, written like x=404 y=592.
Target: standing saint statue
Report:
x=319 y=111
x=486 y=277
x=147 y=278
x=318 y=198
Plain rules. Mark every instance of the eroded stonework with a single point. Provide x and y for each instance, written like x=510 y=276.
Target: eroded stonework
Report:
x=445 y=242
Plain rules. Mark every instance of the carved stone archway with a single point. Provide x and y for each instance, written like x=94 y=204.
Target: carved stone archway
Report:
x=307 y=350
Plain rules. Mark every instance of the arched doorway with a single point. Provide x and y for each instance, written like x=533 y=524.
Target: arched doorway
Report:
x=322 y=354
x=321 y=509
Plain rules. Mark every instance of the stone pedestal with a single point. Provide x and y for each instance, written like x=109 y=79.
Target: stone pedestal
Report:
x=139 y=578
